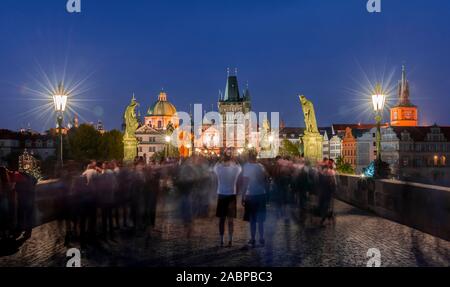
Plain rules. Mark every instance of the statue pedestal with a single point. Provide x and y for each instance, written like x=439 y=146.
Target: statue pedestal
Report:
x=130 y=149
x=312 y=146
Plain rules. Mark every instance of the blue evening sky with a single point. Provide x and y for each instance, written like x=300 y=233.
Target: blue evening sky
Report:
x=321 y=48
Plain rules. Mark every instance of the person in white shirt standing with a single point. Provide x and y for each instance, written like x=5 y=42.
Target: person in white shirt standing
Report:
x=227 y=173
x=255 y=184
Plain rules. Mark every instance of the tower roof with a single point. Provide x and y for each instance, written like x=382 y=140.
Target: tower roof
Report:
x=231 y=90
x=403 y=90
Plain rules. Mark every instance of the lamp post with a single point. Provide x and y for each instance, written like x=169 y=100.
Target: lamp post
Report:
x=378 y=101
x=168 y=139
x=60 y=102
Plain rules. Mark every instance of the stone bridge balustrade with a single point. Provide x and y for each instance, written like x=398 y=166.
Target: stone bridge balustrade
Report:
x=421 y=206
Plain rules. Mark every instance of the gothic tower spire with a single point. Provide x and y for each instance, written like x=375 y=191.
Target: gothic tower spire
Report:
x=404 y=89
x=404 y=113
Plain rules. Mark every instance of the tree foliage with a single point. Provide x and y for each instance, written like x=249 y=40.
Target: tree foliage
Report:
x=111 y=145
x=288 y=148
x=86 y=143
x=344 y=167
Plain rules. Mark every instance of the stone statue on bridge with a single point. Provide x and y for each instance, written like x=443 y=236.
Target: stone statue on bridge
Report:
x=312 y=140
x=310 y=115
x=131 y=125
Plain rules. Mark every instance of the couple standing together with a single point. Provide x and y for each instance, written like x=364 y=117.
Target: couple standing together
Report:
x=251 y=181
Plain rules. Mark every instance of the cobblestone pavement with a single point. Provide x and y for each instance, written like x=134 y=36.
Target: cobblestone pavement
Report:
x=287 y=244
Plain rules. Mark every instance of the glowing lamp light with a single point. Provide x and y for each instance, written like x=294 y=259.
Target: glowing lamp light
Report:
x=60 y=98
x=271 y=138
x=378 y=99
x=60 y=102
x=249 y=146
x=167 y=139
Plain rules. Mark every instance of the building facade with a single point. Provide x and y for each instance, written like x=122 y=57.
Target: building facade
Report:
x=335 y=147
x=325 y=145
x=150 y=141
x=291 y=134
x=349 y=147
x=151 y=135
x=41 y=146
x=418 y=154
x=366 y=149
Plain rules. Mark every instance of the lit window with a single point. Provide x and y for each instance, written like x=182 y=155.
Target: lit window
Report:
x=443 y=161
x=436 y=160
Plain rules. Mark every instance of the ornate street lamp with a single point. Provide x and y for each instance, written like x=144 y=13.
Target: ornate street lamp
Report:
x=60 y=101
x=378 y=101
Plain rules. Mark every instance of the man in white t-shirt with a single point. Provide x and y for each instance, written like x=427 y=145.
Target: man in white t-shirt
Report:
x=227 y=173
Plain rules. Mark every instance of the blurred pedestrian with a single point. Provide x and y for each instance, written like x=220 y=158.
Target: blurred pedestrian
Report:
x=227 y=173
x=107 y=189
x=6 y=218
x=25 y=189
x=328 y=185
x=255 y=185
x=88 y=222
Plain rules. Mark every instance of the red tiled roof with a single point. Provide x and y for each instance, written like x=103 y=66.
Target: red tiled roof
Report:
x=342 y=127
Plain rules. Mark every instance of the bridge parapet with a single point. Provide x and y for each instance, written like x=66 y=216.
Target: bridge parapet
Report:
x=421 y=206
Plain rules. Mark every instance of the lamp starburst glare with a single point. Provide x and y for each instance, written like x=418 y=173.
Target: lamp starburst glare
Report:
x=378 y=98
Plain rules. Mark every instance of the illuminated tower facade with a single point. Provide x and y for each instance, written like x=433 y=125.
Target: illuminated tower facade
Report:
x=231 y=104
x=404 y=114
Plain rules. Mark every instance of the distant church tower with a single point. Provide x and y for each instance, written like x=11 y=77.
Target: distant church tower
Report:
x=404 y=114
x=231 y=101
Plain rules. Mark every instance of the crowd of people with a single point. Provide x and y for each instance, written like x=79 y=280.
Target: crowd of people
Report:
x=16 y=206
x=109 y=196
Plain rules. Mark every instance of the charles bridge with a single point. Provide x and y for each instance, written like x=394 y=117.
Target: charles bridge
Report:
x=407 y=222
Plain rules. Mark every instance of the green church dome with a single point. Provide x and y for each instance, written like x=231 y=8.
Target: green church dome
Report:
x=162 y=107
